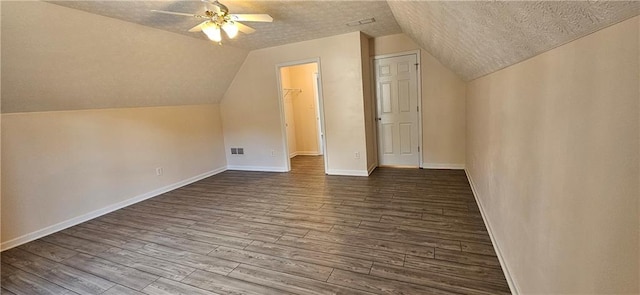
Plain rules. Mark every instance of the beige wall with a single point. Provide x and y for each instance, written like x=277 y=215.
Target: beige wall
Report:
x=304 y=108
x=57 y=58
x=443 y=105
x=553 y=154
x=63 y=167
x=369 y=104
x=0 y=133
x=251 y=108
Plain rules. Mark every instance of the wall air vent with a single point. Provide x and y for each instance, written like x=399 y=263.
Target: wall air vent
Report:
x=361 y=22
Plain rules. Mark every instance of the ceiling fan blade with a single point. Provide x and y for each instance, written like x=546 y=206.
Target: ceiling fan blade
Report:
x=244 y=28
x=252 y=17
x=198 y=28
x=179 y=13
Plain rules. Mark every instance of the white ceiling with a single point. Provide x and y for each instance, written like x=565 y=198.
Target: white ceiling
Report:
x=477 y=38
x=71 y=60
x=472 y=38
x=294 y=21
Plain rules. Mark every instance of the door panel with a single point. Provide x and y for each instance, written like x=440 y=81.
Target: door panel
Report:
x=387 y=138
x=397 y=111
x=385 y=70
x=405 y=138
x=386 y=97
x=404 y=98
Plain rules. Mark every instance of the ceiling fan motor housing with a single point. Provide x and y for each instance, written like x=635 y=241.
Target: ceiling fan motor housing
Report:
x=219 y=19
x=223 y=9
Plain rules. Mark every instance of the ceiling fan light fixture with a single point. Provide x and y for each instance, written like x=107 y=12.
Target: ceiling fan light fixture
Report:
x=231 y=29
x=213 y=32
x=219 y=19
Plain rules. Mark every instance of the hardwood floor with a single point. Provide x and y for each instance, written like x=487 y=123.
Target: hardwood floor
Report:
x=399 y=231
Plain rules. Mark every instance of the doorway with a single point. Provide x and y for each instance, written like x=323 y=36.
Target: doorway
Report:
x=302 y=116
x=398 y=110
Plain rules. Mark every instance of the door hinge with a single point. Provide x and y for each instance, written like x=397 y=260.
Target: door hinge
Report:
x=417 y=109
x=418 y=149
x=416 y=64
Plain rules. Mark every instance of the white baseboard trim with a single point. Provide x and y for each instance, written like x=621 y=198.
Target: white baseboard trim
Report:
x=442 y=166
x=512 y=285
x=308 y=153
x=93 y=214
x=371 y=168
x=257 y=168
x=347 y=172
x=303 y=153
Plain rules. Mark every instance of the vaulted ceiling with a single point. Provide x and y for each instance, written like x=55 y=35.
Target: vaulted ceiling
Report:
x=80 y=55
x=475 y=38
x=472 y=38
x=294 y=21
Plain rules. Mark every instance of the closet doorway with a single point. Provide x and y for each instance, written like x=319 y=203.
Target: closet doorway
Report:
x=302 y=114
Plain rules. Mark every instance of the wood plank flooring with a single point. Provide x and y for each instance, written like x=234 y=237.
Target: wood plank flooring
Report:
x=399 y=231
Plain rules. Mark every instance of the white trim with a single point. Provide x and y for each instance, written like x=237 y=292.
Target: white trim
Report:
x=257 y=168
x=320 y=106
x=396 y=54
x=96 y=213
x=371 y=168
x=442 y=166
x=307 y=153
x=512 y=284
x=420 y=113
x=323 y=128
x=316 y=102
x=400 y=166
x=304 y=153
x=347 y=172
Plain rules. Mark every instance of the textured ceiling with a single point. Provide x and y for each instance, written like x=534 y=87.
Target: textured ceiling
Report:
x=76 y=60
x=477 y=38
x=294 y=21
x=472 y=38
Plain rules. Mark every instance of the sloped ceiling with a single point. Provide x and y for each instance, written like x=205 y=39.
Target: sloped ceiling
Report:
x=477 y=38
x=294 y=21
x=473 y=38
x=55 y=58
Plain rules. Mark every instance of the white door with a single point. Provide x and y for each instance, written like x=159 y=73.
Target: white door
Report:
x=397 y=111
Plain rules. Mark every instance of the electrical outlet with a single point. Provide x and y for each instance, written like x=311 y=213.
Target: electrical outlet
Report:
x=159 y=171
x=273 y=153
x=234 y=151
x=240 y=151
x=357 y=155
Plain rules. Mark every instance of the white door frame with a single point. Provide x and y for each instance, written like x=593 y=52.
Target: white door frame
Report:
x=320 y=109
x=316 y=97
x=419 y=85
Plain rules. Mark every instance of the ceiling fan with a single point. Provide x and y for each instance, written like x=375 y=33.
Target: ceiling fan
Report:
x=220 y=18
